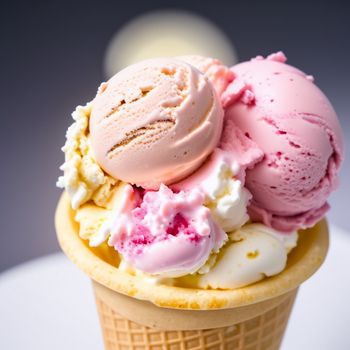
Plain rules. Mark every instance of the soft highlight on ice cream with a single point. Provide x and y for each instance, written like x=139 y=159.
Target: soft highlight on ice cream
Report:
x=161 y=232
x=83 y=178
x=155 y=122
x=280 y=108
x=218 y=74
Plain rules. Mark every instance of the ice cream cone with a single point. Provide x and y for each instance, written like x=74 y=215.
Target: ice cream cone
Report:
x=136 y=314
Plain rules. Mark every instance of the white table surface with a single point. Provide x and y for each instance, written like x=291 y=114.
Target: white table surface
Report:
x=48 y=304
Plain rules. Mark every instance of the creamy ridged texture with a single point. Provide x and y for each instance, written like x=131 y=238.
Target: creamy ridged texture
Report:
x=91 y=219
x=253 y=252
x=226 y=197
x=83 y=178
x=155 y=122
x=94 y=221
x=280 y=108
x=225 y=194
x=218 y=74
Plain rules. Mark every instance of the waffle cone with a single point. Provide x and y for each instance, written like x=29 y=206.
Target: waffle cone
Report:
x=135 y=314
x=258 y=327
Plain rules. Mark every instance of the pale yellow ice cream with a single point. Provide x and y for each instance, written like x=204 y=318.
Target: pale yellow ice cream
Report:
x=83 y=178
x=254 y=252
x=93 y=219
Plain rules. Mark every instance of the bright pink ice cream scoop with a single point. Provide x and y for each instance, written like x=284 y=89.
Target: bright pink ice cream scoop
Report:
x=155 y=122
x=291 y=120
x=165 y=233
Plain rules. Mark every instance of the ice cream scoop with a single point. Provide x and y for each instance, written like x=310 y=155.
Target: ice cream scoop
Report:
x=281 y=109
x=218 y=74
x=162 y=233
x=254 y=252
x=155 y=122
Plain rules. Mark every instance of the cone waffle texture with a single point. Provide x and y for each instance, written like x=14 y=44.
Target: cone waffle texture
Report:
x=261 y=332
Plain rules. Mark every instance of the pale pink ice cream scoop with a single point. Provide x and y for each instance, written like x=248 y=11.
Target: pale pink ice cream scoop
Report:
x=155 y=122
x=281 y=109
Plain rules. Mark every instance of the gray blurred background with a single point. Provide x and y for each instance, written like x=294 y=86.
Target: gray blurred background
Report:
x=52 y=60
